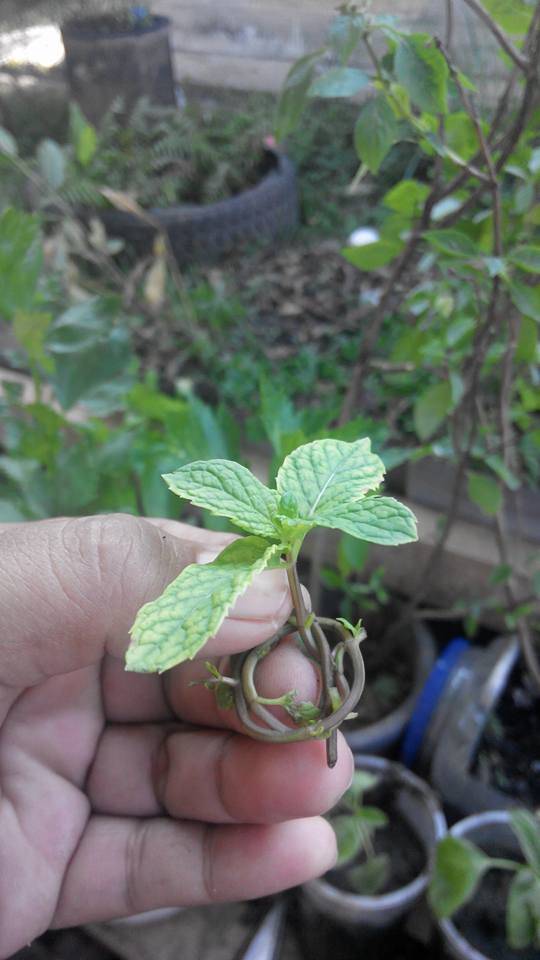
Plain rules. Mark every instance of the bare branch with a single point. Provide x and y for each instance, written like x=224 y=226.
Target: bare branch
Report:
x=520 y=61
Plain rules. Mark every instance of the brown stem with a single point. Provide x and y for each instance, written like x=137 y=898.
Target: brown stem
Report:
x=503 y=41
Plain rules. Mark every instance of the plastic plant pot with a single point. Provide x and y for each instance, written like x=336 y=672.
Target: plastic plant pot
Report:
x=420 y=809
x=380 y=737
x=445 y=730
x=492 y=833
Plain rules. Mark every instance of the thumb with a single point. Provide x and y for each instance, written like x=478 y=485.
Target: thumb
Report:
x=70 y=590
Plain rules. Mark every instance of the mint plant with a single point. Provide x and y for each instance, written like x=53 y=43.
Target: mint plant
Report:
x=355 y=824
x=460 y=866
x=327 y=483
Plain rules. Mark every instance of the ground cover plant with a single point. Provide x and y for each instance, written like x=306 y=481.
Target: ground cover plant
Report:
x=327 y=483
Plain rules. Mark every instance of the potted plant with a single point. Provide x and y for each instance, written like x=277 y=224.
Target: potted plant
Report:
x=121 y=52
x=452 y=337
x=387 y=826
x=457 y=709
x=485 y=887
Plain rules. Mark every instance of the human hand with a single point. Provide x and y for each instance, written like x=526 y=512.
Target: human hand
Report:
x=123 y=792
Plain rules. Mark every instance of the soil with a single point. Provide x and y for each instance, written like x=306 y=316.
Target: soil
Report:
x=396 y=840
x=509 y=753
x=482 y=921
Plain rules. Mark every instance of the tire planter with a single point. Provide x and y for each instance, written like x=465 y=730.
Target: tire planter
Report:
x=382 y=736
x=260 y=215
x=420 y=809
x=491 y=832
x=102 y=66
x=451 y=714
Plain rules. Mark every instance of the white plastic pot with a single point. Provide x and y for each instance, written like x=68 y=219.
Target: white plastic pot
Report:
x=420 y=809
x=492 y=833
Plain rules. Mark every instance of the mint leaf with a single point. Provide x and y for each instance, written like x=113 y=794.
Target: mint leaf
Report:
x=348 y=838
x=175 y=626
x=375 y=519
x=326 y=475
x=227 y=489
x=459 y=867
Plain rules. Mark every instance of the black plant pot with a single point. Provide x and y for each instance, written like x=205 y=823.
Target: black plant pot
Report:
x=101 y=65
x=256 y=216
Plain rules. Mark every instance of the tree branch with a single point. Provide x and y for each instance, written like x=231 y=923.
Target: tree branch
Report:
x=520 y=61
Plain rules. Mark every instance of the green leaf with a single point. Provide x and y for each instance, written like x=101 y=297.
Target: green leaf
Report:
x=374 y=519
x=328 y=474
x=459 y=867
x=369 y=878
x=527 y=341
x=51 y=163
x=526 y=299
x=175 y=626
x=423 y=71
x=294 y=94
x=514 y=16
x=431 y=408
x=351 y=554
x=8 y=144
x=485 y=492
x=452 y=242
x=526 y=257
x=344 y=34
x=339 y=82
x=20 y=261
x=372 y=817
x=372 y=255
x=227 y=489
x=348 y=837
x=407 y=197
x=83 y=136
x=526 y=826
x=523 y=910
x=30 y=329
x=375 y=131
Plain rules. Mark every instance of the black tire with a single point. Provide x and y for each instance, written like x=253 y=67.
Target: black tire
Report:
x=259 y=215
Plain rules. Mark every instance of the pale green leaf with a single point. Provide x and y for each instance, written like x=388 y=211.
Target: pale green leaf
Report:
x=526 y=299
x=83 y=135
x=522 y=919
x=30 y=328
x=8 y=144
x=526 y=257
x=430 y=409
x=454 y=243
x=327 y=475
x=371 y=256
x=294 y=95
x=348 y=838
x=227 y=489
x=407 y=197
x=175 y=626
x=423 y=71
x=526 y=826
x=375 y=131
x=52 y=163
x=339 y=82
x=459 y=867
x=369 y=878
x=374 y=519
x=485 y=492
x=527 y=342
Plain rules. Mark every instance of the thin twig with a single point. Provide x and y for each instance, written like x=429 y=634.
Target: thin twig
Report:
x=503 y=41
